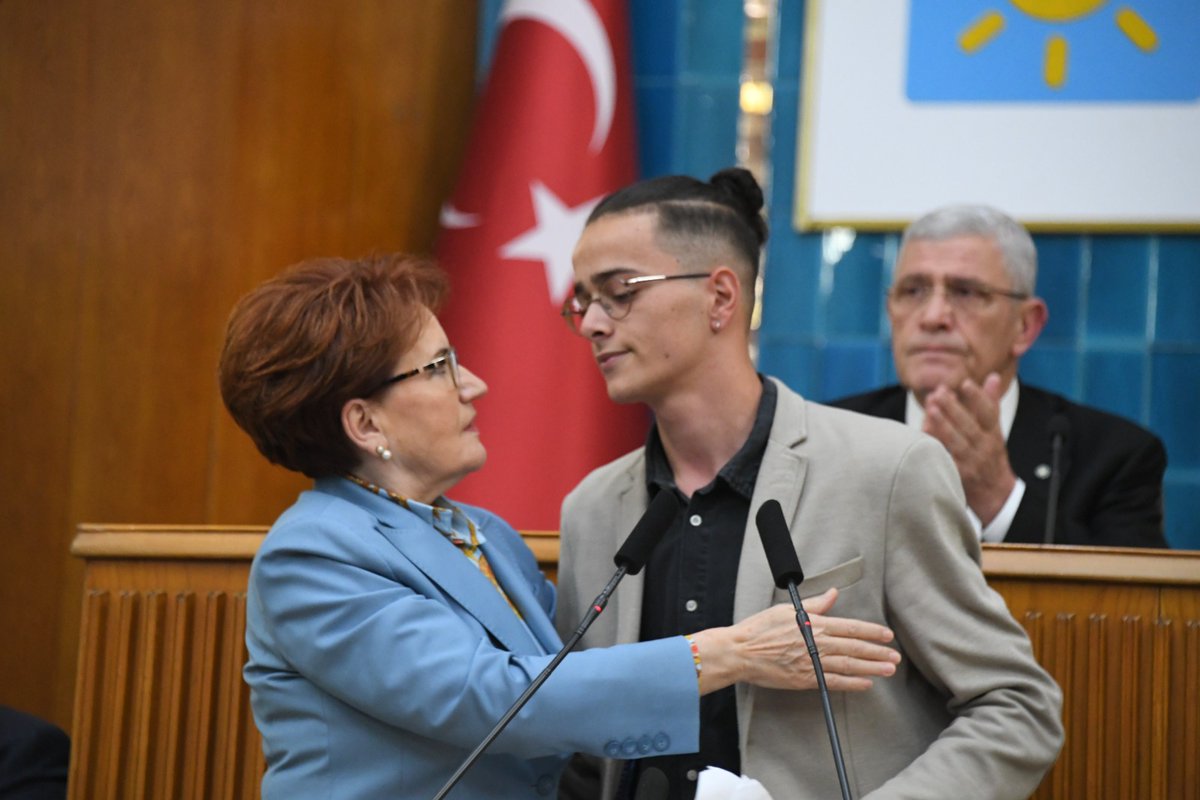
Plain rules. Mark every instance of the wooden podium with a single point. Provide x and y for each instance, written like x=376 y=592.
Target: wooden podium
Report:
x=161 y=710
x=1119 y=629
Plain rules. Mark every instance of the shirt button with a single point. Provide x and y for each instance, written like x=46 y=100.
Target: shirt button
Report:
x=691 y=605
x=692 y=774
x=545 y=785
x=695 y=520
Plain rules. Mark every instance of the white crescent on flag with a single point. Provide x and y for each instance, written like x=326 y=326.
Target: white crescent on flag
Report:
x=580 y=25
x=451 y=218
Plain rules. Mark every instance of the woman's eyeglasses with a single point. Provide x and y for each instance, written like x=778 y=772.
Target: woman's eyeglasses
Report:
x=446 y=362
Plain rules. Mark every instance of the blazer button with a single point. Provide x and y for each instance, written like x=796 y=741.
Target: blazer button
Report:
x=628 y=747
x=545 y=785
x=645 y=745
x=662 y=742
x=612 y=748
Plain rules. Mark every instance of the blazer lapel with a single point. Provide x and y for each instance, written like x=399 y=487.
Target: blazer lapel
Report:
x=891 y=403
x=1029 y=441
x=461 y=580
x=781 y=478
x=517 y=589
x=442 y=563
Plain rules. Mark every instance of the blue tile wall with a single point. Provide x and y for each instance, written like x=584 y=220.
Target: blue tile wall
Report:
x=1112 y=381
x=853 y=284
x=655 y=109
x=1117 y=288
x=1053 y=367
x=791 y=359
x=794 y=301
x=1175 y=388
x=713 y=32
x=1177 y=318
x=1182 y=502
x=1059 y=283
x=654 y=29
x=687 y=58
x=658 y=58
x=707 y=132
x=1124 y=329
x=849 y=367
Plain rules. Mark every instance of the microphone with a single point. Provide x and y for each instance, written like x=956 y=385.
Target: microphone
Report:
x=1059 y=429
x=640 y=543
x=652 y=785
x=630 y=559
x=785 y=568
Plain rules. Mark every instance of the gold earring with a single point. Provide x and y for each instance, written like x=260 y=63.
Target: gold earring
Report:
x=383 y=453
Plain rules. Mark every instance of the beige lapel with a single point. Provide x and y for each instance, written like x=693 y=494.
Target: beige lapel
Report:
x=780 y=477
x=631 y=504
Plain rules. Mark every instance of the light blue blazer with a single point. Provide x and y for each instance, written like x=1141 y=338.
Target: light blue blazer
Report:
x=380 y=657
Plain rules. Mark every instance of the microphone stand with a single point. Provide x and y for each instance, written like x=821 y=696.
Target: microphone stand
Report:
x=629 y=559
x=806 y=631
x=598 y=606
x=1055 y=479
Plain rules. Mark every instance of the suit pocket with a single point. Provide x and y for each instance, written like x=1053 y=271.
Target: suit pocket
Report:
x=842 y=576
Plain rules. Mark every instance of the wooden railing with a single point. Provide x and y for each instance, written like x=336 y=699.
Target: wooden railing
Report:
x=161 y=710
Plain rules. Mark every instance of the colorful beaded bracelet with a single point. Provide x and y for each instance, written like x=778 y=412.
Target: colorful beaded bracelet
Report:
x=695 y=654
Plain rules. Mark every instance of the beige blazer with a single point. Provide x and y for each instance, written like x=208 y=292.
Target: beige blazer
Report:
x=878 y=511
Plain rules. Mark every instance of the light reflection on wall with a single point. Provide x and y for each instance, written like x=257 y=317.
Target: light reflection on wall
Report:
x=756 y=100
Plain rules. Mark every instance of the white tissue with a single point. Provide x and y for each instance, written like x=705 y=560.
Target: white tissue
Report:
x=718 y=784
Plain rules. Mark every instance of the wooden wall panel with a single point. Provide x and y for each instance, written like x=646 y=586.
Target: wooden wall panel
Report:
x=40 y=153
x=156 y=161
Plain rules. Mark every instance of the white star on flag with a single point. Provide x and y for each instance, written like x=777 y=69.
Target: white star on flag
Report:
x=552 y=239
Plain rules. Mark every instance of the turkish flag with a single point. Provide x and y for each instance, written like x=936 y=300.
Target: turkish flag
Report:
x=553 y=134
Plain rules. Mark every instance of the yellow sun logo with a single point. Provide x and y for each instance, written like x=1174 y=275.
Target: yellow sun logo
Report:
x=1054 y=65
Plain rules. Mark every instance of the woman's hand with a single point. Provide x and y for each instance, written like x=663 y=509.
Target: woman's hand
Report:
x=768 y=650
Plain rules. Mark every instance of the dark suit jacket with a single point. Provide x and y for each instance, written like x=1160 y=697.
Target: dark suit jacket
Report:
x=34 y=755
x=1112 y=470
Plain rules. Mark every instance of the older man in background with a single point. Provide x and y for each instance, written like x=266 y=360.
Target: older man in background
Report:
x=963 y=312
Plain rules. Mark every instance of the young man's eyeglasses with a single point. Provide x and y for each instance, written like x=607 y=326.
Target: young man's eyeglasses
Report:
x=447 y=362
x=615 y=295
x=962 y=294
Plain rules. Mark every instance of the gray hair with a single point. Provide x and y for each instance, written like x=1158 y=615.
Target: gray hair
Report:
x=1015 y=243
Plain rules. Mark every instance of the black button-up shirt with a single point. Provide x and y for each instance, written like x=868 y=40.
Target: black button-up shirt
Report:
x=690 y=581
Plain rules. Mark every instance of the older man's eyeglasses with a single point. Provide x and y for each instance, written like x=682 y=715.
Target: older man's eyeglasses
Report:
x=962 y=294
x=446 y=363
x=615 y=295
